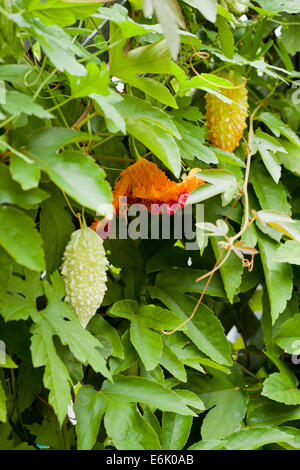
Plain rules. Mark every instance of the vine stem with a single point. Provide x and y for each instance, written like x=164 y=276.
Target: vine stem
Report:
x=65 y=434
x=59 y=105
x=137 y=155
x=247 y=172
x=210 y=274
x=13 y=382
x=248 y=372
x=40 y=69
x=217 y=266
x=87 y=119
x=106 y=139
x=8 y=120
x=19 y=154
x=47 y=79
x=77 y=215
x=44 y=401
x=83 y=116
x=115 y=159
x=58 y=108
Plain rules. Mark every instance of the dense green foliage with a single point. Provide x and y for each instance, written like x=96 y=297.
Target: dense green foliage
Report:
x=75 y=109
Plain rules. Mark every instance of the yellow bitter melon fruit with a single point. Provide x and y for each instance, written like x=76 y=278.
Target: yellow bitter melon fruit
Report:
x=226 y=122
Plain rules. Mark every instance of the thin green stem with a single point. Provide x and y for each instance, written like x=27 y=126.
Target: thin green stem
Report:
x=252 y=389
x=8 y=120
x=16 y=152
x=243 y=368
x=114 y=159
x=137 y=155
x=94 y=54
x=44 y=83
x=59 y=105
x=41 y=70
x=103 y=141
x=113 y=169
x=13 y=382
x=285 y=23
x=86 y=120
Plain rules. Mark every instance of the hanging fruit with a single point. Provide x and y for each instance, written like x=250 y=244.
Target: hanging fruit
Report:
x=145 y=184
x=226 y=122
x=84 y=273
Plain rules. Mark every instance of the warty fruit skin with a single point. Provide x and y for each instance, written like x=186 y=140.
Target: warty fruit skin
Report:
x=226 y=122
x=84 y=272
